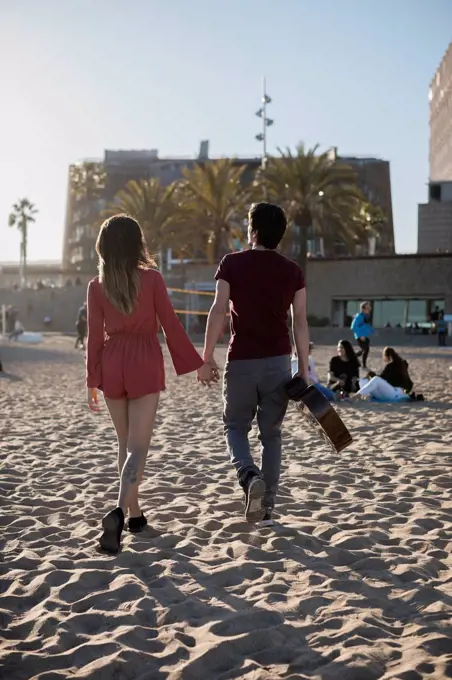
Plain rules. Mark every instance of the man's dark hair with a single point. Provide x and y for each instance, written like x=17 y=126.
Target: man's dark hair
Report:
x=269 y=222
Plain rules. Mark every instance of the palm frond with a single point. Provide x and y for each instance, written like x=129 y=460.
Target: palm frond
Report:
x=153 y=205
x=316 y=192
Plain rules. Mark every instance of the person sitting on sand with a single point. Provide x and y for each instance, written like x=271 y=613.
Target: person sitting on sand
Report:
x=259 y=286
x=124 y=359
x=343 y=375
x=312 y=373
x=393 y=383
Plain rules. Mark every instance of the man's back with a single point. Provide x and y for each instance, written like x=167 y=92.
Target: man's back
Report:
x=262 y=287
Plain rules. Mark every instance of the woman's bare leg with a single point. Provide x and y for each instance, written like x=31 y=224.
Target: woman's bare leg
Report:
x=141 y=418
x=119 y=414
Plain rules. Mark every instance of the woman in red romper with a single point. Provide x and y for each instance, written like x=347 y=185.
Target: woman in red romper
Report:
x=124 y=359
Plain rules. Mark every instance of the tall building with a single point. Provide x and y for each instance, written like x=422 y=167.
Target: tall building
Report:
x=434 y=231
x=435 y=216
x=84 y=204
x=440 y=96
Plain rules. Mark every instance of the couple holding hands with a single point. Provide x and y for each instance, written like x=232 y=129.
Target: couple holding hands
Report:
x=126 y=304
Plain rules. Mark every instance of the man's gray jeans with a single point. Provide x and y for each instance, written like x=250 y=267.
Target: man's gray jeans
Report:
x=256 y=387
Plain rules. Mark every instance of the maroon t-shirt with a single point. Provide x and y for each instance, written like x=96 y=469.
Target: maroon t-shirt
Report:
x=263 y=284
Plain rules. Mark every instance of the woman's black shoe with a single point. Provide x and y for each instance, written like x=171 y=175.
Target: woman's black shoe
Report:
x=113 y=524
x=137 y=524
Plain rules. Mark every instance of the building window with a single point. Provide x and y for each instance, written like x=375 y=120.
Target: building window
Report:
x=436 y=306
x=388 y=313
x=351 y=308
x=393 y=313
x=418 y=311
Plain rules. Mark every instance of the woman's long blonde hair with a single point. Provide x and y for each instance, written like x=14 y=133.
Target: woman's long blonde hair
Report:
x=122 y=252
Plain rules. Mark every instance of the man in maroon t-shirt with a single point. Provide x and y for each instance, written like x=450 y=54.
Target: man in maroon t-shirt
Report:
x=260 y=286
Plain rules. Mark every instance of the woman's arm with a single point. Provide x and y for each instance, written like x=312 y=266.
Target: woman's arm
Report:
x=312 y=371
x=334 y=380
x=185 y=357
x=387 y=373
x=96 y=338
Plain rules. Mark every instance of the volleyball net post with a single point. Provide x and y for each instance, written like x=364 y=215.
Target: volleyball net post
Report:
x=192 y=306
x=3 y=321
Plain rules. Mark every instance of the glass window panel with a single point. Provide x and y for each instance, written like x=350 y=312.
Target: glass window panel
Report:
x=351 y=308
x=418 y=311
x=377 y=314
x=437 y=303
x=388 y=312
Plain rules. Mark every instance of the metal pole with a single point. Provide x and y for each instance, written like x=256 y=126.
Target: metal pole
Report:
x=264 y=124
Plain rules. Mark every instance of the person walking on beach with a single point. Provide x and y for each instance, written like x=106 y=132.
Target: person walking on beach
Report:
x=441 y=329
x=259 y=286
x=126 y=302
x=363 y=330
x=81 y=325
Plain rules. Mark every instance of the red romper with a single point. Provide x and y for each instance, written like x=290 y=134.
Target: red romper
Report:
x=123 y=354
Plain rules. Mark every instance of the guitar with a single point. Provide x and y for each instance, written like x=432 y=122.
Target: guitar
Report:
x=318 y=412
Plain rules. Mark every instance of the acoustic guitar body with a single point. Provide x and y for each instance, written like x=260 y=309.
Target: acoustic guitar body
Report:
x=318 y=412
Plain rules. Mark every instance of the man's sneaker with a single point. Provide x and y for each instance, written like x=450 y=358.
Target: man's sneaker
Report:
x=255 y=493
x=268 y=520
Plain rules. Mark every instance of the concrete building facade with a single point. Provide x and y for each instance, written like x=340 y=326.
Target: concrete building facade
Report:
x=435 y=216
x=435 y=220
x=403 y=289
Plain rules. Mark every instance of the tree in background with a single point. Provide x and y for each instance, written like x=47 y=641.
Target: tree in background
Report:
x=319 y=194
x=371 y=217
x=154 y=206
x=214 y=200
x=203 y=214
x=22 y=213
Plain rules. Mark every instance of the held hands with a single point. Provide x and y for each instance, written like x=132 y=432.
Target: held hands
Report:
x=208 y=373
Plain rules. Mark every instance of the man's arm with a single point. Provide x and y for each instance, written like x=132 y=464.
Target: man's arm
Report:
x=216 y=319
x=301 y=332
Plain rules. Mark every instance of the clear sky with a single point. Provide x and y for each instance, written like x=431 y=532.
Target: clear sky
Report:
x=79 y=76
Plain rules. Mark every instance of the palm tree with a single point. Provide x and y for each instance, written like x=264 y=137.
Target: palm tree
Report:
x=374 y=217
x=214 y=199
x=367 y=222
x=22 y=213
x=319 y=195
x=153 y=205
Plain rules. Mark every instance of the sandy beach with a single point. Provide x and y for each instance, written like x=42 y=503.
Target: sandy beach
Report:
x=354 y=582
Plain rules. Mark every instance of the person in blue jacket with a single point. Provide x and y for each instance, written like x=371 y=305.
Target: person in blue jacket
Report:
x=441 y=329
x=363 y=330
